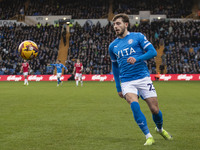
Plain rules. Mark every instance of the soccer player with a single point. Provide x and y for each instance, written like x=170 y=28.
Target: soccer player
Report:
x=129 y=52
x=59 y=67
x=78 y=67
x=25 y=68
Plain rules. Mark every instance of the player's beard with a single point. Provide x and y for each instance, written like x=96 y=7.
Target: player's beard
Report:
x=122 y=32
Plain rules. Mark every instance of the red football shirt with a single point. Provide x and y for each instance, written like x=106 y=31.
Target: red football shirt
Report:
x=25 y=67
x=78 y=67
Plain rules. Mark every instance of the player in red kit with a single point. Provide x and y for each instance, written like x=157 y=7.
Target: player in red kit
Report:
x=25 y=68
x=78 y=67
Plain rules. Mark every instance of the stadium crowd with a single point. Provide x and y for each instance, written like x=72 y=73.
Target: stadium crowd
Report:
x=182 y=46
x=78 y=10
x=47 y=39
x=172 y=9
x=90 y=9
x=181 y=41
x=90 y=44
x=8 y=8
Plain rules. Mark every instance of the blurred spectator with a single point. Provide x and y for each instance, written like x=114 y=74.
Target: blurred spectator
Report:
x=163 y=59
x=64 y=36
x=157 y=76
x=162 y=68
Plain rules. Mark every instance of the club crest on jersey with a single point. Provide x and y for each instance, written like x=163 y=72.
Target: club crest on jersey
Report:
x=130 y=41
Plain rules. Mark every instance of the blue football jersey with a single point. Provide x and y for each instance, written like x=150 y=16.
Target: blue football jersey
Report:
x=59 y=67
x=132 y=45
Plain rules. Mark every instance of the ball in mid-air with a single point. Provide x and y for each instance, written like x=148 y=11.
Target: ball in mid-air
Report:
x=28 y=50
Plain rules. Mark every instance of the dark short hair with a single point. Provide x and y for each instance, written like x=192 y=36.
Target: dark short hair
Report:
x=124 y=17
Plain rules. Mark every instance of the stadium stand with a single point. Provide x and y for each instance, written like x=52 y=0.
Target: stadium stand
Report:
x=173 y=9
x=8 y=9
x=90 y=44
x=95 y=9
x=47 y=39
x=79 y=10
x=177 y=42
x=182 y=46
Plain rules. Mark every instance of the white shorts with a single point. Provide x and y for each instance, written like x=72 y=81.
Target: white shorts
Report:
x=25 y=73
x=78 y=75
x=142 y=87
x=59 y=75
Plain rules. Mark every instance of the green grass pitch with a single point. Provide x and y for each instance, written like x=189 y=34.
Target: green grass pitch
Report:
x=42 y=116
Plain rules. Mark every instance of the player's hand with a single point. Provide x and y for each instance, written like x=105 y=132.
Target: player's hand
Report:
x=66 y=70
x=120 y=94
x=131 y=60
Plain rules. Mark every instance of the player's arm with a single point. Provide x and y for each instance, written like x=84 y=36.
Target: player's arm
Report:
x=147 y=46
x=65 y=68
x=74 y=70
x=52 y=64
x=81 y=68
x=29 y=68
x=21 y=69
x=115 y=70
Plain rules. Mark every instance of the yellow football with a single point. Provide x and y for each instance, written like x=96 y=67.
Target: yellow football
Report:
x=28 y=50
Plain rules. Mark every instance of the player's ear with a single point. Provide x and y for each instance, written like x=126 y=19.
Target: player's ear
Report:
x=126 y=24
